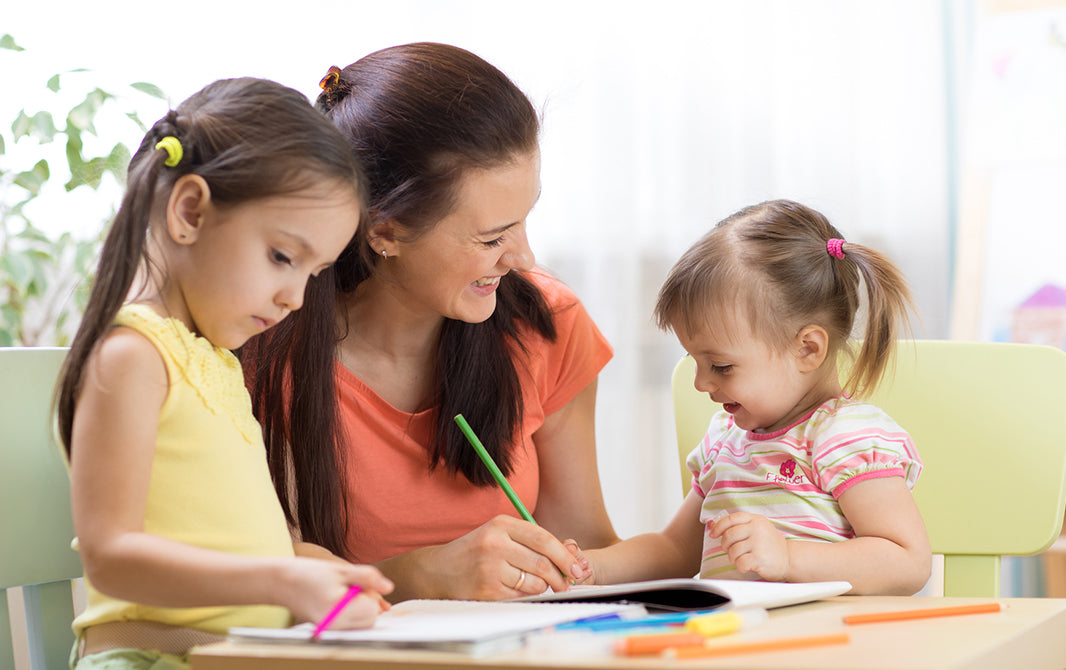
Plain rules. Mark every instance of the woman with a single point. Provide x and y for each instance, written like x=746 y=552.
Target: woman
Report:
x=440 y=311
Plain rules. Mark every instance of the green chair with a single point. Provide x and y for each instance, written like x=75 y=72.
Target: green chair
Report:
x=983 y=416
x=35 y=523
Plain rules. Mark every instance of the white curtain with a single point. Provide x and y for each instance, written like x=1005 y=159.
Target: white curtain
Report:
x=661 y=122
x=660 y=118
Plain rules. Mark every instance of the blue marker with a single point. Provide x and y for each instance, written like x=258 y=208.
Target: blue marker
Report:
x=607 y=623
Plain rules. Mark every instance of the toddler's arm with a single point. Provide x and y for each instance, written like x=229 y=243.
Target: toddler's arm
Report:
x=673 y=552
x=890 y=554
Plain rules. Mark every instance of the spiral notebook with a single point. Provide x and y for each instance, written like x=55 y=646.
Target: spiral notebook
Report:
x=680 y=595
x=466 y=626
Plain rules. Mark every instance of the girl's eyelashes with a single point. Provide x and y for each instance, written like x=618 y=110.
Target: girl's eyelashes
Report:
x=280 y=258
x=721 y=369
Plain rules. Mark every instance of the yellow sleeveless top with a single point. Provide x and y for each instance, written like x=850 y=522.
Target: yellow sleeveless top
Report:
x=210 y=485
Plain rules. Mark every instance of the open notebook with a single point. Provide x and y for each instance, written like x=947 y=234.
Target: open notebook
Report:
x=679 y=595
x=466 y=626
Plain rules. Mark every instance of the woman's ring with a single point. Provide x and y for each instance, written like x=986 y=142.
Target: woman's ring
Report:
x=521 y=578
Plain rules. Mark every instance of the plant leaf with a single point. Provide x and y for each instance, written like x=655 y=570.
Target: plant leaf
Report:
x=117 y=162
x=137 y=119
x=53 y=84
x=150 y=89
x=33 y=179
x=40 y=126
x=18 y=268
x=8 y=42
x=82 y=115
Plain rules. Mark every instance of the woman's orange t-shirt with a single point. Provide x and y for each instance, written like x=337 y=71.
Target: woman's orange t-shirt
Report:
x=396 y=504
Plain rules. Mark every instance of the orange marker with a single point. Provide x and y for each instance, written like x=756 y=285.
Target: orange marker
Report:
x=638 y=645
x=927 y=613
x=755 y=646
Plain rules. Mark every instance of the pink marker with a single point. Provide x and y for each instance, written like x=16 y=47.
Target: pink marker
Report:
x=353 y=591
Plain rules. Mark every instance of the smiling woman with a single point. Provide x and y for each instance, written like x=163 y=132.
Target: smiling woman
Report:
x=442 y=312
x=454 y=268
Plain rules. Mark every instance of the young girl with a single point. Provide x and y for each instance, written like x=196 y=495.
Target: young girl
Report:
x=234 y=200
x=796 y=480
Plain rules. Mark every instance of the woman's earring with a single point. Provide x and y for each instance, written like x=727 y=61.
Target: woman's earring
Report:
x=384 y=254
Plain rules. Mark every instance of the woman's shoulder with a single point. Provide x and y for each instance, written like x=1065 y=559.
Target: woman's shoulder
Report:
x=556 y=293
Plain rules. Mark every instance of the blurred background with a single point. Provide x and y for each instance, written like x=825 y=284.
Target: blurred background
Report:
x=932 y=130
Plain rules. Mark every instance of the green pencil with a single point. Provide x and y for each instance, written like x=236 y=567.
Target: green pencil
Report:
x=491 y=465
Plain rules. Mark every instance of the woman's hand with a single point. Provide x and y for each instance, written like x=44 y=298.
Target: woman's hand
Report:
x=311 y=587
x=504 y=558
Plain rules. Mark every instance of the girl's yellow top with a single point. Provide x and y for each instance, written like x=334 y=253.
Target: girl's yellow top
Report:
x=210 y=486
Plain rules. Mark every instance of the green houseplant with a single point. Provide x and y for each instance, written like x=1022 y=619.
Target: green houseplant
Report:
x=44 y=274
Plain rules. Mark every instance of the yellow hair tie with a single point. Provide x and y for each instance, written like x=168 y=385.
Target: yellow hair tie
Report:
x=173 y=148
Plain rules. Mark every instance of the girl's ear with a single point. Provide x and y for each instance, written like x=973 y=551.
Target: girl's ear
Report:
x=812 y=347
x=383 y=236
x=188 y=202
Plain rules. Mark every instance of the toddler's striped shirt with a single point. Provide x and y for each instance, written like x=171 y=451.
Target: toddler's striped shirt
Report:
x=795 y=476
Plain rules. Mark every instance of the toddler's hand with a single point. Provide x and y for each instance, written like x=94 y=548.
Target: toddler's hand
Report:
x=314 y=587
x=753 y=544
x=588 y=576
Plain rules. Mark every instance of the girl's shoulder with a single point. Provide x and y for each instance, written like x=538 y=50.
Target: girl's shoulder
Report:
x=163 y=330
x=125 y=353
x=844 y=415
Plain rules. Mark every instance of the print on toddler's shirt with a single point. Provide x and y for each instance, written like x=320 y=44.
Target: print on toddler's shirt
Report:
x=786 y=474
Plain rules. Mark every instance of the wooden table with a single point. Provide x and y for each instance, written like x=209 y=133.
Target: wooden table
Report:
x=1029 y=634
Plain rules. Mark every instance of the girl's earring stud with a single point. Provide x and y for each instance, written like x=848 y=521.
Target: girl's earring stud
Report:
x=384 y=254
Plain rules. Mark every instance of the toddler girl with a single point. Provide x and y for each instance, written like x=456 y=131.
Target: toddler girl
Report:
x=797 y=479
x=234 y=200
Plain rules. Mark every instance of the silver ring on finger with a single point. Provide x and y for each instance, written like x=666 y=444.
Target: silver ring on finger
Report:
x=521 y=578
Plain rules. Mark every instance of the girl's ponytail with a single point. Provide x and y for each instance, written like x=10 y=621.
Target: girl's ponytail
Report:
x=888 y=305
x=121 y=258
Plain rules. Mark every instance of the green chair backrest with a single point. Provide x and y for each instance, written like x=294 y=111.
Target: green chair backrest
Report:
x=35 y=522
x=982 y=416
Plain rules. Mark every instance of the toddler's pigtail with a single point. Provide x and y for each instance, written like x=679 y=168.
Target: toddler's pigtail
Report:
x=888 y=306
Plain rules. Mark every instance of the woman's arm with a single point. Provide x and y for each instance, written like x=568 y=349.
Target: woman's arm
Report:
x=113 y=445
x=570 y=503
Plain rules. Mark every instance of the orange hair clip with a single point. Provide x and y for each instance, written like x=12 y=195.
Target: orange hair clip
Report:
x=329 y=82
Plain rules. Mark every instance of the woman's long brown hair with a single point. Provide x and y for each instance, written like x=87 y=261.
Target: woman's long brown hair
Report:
x=416 y=116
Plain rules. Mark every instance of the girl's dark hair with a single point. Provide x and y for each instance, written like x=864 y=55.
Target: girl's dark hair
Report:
x=417 y=117
x=770 y=263
x=248 y=139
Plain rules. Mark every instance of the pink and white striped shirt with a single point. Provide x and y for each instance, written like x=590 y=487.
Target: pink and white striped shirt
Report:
x=794 y=476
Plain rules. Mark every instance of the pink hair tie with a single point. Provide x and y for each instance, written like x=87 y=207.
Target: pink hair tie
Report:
x=835 y=247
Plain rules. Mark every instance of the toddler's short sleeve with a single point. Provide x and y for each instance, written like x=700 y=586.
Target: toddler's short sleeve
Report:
x=856 y=442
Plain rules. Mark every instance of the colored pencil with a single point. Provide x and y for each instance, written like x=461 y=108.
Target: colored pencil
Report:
x=755 y=646
x=927 y=613
x=491 y=465
x=353 y=591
